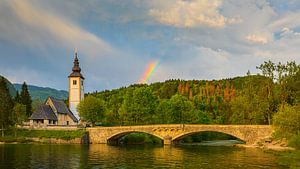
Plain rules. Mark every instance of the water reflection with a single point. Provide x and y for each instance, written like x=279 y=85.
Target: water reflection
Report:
x=103 y=156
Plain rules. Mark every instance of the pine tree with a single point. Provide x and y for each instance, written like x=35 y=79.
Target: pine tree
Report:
x=25 y=99
x=6 y=105
x=17 y=98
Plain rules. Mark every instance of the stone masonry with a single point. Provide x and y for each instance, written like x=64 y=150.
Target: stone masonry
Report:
x=170 y=133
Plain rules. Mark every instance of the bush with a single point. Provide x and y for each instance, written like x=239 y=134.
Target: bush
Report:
x=294 y=141
x=287 y=121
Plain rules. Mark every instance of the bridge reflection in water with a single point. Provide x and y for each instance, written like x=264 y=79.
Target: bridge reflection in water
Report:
x=141 y=156
x=171 y=133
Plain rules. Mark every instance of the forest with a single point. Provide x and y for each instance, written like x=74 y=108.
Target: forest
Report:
x=252 y=99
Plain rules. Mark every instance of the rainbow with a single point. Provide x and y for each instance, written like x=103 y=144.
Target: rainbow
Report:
x=149 y=71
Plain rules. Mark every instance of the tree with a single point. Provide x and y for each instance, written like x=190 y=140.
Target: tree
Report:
x=182 y=110
x=36 y=103
x=139 y=106
x=287 y=121
x=6 y=105
x=92 y=109
x=293 y=88
x=17 y=98
x=25 y=99
x=18 y=115
x=163 y=112
x=268 y=69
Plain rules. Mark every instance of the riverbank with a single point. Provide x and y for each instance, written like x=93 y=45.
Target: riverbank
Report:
x=44 y=141
x=79 y=136
x=270 y=144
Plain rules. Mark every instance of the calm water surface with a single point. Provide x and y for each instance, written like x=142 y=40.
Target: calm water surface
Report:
x=125 y=157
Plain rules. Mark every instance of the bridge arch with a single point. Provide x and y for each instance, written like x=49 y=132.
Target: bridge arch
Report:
x=113 y=138
x=235 y=133
x=186 y=134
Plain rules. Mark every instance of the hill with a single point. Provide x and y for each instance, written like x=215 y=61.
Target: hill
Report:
x=42 y=93
x=239 y=100
x=11 y=87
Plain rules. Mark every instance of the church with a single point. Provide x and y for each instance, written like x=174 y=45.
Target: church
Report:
x=55 y=112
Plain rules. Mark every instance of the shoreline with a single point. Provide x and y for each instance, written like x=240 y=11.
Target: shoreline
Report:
x=279 y=146
x=267 y=147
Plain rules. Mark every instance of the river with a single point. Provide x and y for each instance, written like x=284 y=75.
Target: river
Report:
x=134 y=156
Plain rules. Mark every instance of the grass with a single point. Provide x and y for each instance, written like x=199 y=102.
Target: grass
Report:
x=22 y=135
x=12 y=139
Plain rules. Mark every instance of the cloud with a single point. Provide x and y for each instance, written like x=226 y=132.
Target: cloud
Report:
x=117 y=38
x=191 y=14
x=194 y=63
x=288 y=19
x=64 y=32
x=257 y=39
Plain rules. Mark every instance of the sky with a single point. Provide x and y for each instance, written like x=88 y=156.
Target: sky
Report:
x=119 y=41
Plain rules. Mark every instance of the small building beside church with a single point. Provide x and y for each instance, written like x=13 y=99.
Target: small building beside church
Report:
x=56 y=112
x=53 y=112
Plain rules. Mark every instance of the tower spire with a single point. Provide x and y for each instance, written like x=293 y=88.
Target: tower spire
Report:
x=76 y=70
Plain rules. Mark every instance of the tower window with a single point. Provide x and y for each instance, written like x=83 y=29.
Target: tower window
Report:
x=74 y=82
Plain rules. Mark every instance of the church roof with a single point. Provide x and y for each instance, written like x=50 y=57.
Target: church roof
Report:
x=62 y=108
x=76 y=69
x=43 y=112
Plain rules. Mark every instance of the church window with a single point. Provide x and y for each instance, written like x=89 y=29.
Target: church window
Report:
x=74 y=82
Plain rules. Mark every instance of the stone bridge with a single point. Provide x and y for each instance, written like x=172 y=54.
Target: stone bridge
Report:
x=170 y=133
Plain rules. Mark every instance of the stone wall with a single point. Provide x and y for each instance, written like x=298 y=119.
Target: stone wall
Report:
x=49 y=127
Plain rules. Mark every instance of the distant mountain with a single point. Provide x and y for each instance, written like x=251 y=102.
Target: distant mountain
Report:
x=42 y=93
x=11 y=87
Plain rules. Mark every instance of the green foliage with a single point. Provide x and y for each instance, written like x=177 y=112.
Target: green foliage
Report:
x=140 y=138
x=25 y=99
x=92 y=109
x=178 y=101
x=207 y=136
x=10 y=87
x=59 y=134
x=294 y=141
x=163 y=112
x=287 y=121
x=182 y=110
x=36 y=103
x=293 y=89
x=18 y=115
x=6 y=105
x=138 y=106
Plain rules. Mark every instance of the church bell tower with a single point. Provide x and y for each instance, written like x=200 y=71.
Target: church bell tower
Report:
x=76 y=89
